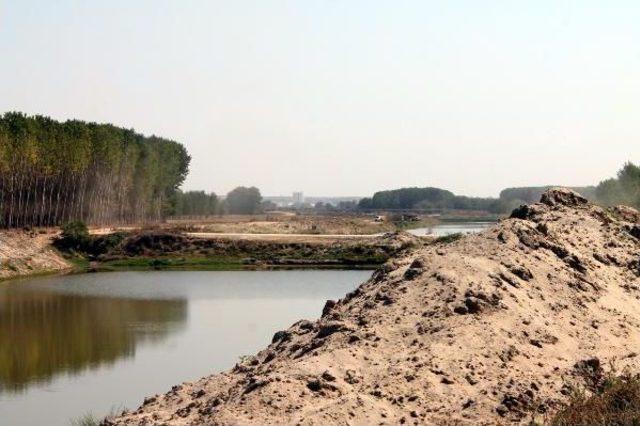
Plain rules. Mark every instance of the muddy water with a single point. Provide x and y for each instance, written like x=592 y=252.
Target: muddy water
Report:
x=92 y=343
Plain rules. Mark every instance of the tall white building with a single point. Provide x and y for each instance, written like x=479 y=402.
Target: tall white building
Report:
x=298 y=198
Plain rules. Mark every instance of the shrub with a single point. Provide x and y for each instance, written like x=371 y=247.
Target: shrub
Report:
x=75 y=236
x=616 y=402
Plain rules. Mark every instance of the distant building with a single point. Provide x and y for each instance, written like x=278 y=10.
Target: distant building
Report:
x=298 y=198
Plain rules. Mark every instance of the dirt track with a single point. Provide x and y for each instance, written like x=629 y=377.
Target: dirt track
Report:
x=487 y=329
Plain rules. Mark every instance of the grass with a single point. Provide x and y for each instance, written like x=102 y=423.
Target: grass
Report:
x=90 y=419
x=85 y=420
x=617 y=403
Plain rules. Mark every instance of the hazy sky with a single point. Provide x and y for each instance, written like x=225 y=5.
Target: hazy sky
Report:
x=343 y=97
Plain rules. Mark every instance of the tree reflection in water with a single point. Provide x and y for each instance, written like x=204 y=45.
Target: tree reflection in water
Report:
x=44 y=334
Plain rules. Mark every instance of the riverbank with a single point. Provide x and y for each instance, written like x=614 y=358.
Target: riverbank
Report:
x=24 y=253
x=176 y=251
x=491 y=328
x=27 y=253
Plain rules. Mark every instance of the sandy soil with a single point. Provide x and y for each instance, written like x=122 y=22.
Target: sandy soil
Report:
x=488 y=329
x=286 y=224
x=24 y=253
x=310 y=238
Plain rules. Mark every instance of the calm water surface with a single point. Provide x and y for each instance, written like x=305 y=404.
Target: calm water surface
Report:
x=71 y=345
x=443 y=229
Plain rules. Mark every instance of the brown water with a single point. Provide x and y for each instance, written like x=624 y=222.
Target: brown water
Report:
x=71 y=345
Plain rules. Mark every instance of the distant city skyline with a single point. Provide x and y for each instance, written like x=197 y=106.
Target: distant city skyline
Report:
x=343 y=98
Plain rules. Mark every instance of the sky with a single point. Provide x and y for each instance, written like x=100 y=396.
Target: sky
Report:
x=343 y=97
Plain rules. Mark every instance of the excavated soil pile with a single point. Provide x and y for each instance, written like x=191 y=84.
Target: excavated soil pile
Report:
x=486 y=329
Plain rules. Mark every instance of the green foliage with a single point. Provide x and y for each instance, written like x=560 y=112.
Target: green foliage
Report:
x=74 y=236
x=195 y=203
x=55 y=172
x=436 y=200
x=243 y=200
x=624 y=189
x=429 y=199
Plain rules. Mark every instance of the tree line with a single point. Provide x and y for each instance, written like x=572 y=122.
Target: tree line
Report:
x=623 y=189
x=54 y=172
x=429 y=199
x=241 y=200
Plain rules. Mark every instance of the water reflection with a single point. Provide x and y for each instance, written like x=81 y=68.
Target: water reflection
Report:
x=45 y=333
x=75 y=344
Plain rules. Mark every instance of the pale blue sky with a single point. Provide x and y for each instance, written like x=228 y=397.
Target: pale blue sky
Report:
x=343 y=97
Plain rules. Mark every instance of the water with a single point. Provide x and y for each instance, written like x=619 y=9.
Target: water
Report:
x=70 y=345
x=444 y=229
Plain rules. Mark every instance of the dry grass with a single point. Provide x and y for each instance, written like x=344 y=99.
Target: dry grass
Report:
x=615 y=402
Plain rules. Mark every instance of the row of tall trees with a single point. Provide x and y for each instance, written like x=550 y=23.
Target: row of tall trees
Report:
x=240 y=200
x=197 y=203
x=53 y=172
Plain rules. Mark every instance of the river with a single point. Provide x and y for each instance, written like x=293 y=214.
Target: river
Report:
x=93 y=343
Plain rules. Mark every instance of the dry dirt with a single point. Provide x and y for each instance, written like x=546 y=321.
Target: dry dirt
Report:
x=487 y=329
x=285 y=224
x=25 y=253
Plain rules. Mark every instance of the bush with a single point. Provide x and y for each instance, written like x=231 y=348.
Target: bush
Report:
x=616 y=402
x=75 y=236
x=104 y=243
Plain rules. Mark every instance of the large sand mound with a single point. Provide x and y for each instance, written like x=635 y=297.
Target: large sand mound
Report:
x=482 y=330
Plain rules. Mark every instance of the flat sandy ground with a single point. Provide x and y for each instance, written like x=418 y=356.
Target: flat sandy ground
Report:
x=285 y=224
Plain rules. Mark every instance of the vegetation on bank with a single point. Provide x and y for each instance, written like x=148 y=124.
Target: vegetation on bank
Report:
x=54 y=172
x=156 y=249
x=605 y=399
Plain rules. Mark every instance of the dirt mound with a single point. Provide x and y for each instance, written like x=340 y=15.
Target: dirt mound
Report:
x=485 y=329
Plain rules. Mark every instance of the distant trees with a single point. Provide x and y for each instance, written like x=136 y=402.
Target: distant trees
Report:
x=428 y=199
x=54 y=172
x=436 y=199
x=196 y=203
x=623 y=189
x=243 y=200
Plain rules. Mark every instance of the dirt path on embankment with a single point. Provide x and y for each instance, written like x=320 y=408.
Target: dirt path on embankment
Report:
x=27 y=253
x=487 y=329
